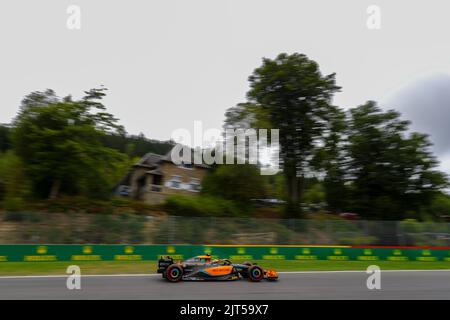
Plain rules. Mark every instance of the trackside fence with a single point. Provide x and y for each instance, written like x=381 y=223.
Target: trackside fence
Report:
x=124 y=228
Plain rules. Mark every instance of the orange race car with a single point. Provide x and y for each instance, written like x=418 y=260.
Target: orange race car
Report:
x=205 y=268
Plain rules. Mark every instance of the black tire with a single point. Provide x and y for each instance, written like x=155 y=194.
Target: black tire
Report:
x=255 y=273
x=174 y=273
x=247 y=263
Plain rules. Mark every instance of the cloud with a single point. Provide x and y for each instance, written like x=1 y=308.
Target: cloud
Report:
x=426 y=103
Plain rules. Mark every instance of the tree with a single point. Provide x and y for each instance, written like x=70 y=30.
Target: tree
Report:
x=59 y=143
x=14 y=184
x=331 y=159
x=136 y=146
x=392 y=173
x=5 y=141
x=440 y=206
x=296 y=98
x=238 y=182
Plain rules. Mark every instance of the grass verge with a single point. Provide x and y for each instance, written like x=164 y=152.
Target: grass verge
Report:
x=142 y=267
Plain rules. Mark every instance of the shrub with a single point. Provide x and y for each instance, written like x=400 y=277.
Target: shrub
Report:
x=103 y=229
x=13 y=204
x=23 y=216
x=14 y=184
x=201 y=206
x=15 y=216
x=237 y=182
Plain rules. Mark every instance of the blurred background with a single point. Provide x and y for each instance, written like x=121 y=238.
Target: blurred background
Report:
x=87 y=117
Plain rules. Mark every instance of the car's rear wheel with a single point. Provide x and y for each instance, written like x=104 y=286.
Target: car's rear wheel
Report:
x=255 y=273
x=174 y=273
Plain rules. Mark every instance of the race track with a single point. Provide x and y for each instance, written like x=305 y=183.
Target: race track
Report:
x=307 y=285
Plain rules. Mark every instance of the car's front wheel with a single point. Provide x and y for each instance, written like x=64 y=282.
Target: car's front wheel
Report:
x=255 y=273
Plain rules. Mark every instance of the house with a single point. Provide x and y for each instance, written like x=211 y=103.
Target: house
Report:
x=155 y=177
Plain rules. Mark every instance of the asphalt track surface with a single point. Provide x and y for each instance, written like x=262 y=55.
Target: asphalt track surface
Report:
x=301 y=285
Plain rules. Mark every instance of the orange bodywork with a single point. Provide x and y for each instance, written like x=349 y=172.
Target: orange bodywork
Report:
x=219 y=271
x=271 y=274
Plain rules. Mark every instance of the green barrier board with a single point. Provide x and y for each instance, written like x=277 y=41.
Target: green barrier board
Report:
x=35 y=253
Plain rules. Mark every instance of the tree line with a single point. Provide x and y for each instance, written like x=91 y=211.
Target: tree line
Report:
x=64 y=146
x=363 y=159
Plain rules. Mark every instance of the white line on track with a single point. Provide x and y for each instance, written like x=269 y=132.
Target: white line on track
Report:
x=353 y=271
x=156 y=274
x=86 y=275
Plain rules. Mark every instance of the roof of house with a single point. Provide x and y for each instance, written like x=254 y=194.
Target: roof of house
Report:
x=149 y=160
x=168 y=157
x=152 y=160
x=156 y=171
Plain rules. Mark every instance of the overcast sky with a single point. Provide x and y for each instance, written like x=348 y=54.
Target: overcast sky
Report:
x=170 y=62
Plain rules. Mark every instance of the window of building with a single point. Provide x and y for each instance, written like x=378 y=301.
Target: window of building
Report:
x=194 y=185
x=175 y=182
x=188 y=166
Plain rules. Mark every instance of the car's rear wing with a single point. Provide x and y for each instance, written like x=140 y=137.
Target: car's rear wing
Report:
x=163 y=263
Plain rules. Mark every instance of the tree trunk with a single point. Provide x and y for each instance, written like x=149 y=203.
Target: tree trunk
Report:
x=294 y=190
x=54 y=191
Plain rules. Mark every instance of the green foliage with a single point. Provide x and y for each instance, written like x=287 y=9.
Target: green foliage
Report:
x=331 y=159
x=277 y=186
x=14 y=184
x=440 y=206
x=192 y=230
x=15 y=216
x=136 y=146
x=283 y=234
x=202 y=206
x=5 y=139
x=59 y=142
x=296 y=98
x=369 y=163
x=245 y=116
x=108 y=228
x=78 y=204
x=391 y=172
x=13 y=204
x=237 y=182
x=23 y=216
x=424 y=233
x=315 y=194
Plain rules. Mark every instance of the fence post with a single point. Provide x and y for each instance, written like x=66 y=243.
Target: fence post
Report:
x=171 y=233
x=400 y=238
x=448 y=230
x=293 y=230
x=329 y=231
x=308 y=228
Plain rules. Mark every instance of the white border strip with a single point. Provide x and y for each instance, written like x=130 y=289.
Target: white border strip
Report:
x=364 y=271
x=83 y=276
x=156 y=274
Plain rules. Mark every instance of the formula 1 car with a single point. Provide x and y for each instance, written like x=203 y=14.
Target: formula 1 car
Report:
x=204 y=268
